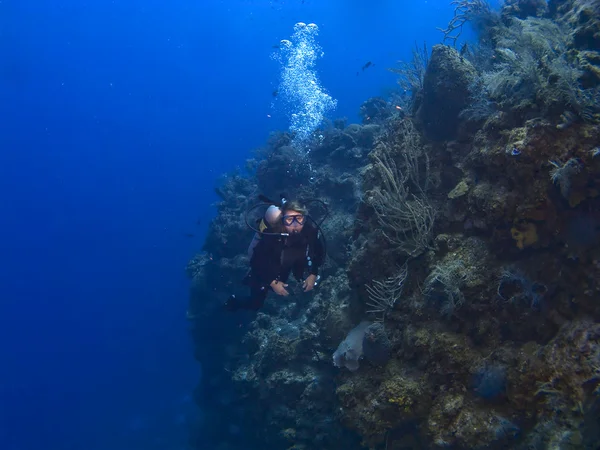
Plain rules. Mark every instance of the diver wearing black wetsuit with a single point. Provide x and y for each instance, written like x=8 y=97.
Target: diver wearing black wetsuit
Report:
x=275 y=256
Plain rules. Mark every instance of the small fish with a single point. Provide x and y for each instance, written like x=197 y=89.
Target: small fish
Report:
x=367 y=65
x=275 y=46
x=275 y=93
x=189 y=235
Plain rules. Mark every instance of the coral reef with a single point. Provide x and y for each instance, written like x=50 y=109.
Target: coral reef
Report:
x=458 y=307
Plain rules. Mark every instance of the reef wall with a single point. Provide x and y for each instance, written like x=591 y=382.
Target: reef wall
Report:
x=464 y=234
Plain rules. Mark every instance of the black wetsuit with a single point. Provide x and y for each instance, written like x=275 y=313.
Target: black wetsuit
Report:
x=274 y=258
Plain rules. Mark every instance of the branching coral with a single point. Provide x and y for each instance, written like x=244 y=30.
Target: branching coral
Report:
x=384 y=294
x=561 y=174
x=444 y=284
x=412 y=74
x=534 y=66
x=402 y=206
x=466 y=11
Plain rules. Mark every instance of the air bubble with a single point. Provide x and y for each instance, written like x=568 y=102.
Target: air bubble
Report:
x=306 y=100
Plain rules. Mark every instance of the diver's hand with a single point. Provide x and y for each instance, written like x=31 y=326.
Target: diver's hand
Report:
x=279 y=288
x=309 y=283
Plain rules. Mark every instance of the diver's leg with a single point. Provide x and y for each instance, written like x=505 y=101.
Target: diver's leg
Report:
x=254 y=301
x=257 y=298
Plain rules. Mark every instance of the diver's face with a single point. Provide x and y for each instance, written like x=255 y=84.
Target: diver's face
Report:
x=293 y=221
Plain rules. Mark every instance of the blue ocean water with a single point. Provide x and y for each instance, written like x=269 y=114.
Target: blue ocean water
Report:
x=116 y=120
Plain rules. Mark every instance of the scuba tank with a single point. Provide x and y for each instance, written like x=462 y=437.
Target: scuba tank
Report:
x=269 y=221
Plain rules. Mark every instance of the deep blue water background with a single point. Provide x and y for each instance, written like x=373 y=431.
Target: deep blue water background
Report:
x=116 y=120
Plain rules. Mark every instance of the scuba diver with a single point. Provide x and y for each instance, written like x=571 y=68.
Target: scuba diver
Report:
x=286 y=241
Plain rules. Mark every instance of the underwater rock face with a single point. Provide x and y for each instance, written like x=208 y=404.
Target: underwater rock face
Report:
x=490 y=381
x=376 y=345
x=445 y=92
x=375 y=110
x=524 y=8
x=496 y=335
x=582 y=20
